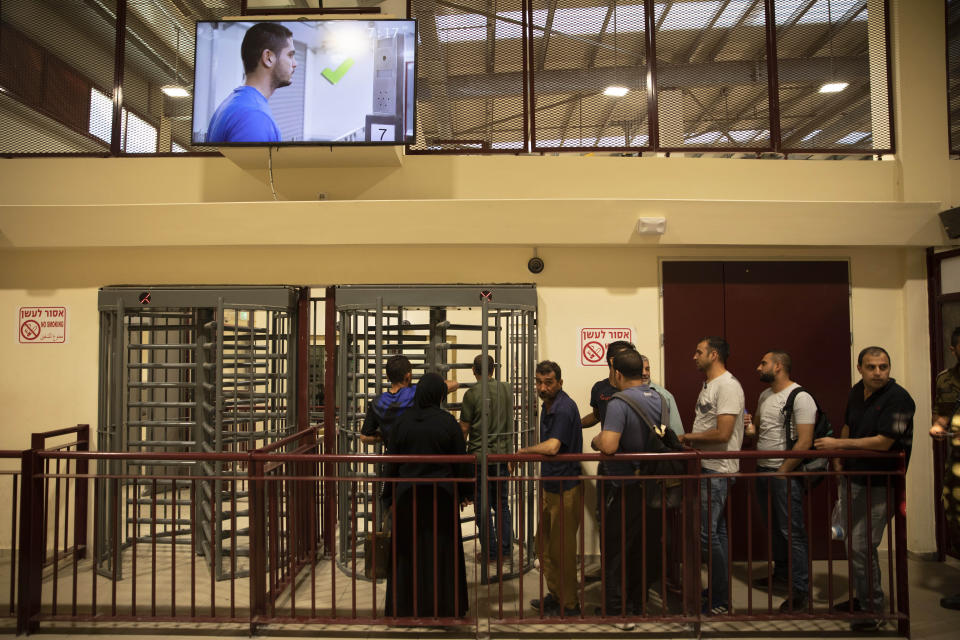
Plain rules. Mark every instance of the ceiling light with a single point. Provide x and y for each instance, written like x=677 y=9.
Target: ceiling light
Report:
x=175 y=91
x=617 y=92
x=834 y=87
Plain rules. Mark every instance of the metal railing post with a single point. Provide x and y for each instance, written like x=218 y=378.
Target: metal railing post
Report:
x=81 y=495
x=900 y=532
x=939 y=517
x=258 y=543
x=330 y=396
x=31 y=557
x=691 y=538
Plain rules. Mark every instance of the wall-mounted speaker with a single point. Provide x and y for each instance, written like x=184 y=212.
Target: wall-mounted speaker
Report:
x=951 y=222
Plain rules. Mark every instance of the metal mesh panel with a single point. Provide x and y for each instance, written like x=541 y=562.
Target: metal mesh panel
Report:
x=589 y=75
x=470 y=76
x=711 y=75
x=159 y=53
x=833 y=75
x=272 y=5
x=53 y=55
x=953 y=72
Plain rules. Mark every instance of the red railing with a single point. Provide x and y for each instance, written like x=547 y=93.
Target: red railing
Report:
x=8 y=563
x=941 y=454
x=292 y=579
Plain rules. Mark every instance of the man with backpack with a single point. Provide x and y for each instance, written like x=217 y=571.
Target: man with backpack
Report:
x=631 y=413
x=784 y=419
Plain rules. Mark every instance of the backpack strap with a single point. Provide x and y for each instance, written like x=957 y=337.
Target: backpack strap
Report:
x=789 y=427
x=639 y=410
x=664 y=409
x=788 y=416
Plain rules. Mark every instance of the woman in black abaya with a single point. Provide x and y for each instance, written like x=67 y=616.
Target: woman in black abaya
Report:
x=428 y=543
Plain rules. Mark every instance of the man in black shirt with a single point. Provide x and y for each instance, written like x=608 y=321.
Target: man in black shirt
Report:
x=604 y=389
x=879 y=417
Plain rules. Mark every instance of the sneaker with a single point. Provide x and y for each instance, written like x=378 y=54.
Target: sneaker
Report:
x=795 y=602
x=626 y=626
x=844 y=607
x=550 y=604
x=867 y=626
x=764 y=583
x=570 y=612
x=951 y=602
x=715 y=610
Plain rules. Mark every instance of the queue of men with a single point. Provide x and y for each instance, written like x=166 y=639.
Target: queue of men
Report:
x=879 y=417
x=635 y=414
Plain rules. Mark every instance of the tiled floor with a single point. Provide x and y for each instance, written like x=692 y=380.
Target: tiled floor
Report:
x=928 y=581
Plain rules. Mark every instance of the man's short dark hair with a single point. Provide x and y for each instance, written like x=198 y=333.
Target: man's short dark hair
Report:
x=261 y=36
x=955 y=337
x=548 y=366
x=783 y=358
x=629 y=363
x=718 y=344
x=397 y=369
x=616 y=347
x=873 y=351
x=478 y=365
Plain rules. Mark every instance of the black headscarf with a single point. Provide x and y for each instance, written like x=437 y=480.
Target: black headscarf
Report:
x=431 y=389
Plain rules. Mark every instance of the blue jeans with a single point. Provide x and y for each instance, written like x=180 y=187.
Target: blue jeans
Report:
x=499 y=511
x=868 y=504
x=713 y=534
x=787 y=529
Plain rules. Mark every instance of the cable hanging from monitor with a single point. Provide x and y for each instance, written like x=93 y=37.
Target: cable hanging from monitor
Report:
x=273 y=187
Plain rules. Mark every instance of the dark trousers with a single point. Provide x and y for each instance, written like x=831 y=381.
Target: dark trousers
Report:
x=498 y=511
x=630 y=562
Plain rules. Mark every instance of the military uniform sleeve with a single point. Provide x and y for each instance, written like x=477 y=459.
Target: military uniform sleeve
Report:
x=947 y=395
x=469 y=412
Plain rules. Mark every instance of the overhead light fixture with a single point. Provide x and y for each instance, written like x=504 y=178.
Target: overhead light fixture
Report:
x=175 y=91
x=617 y=92
x=834 y=87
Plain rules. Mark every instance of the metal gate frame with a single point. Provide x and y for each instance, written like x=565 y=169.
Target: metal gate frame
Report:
x=513 y=309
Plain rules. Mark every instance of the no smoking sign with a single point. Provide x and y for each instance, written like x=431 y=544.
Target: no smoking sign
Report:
x=42 y=325
x=594 y=341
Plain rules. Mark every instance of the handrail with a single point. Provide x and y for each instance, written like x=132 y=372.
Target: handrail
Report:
x=941 y=446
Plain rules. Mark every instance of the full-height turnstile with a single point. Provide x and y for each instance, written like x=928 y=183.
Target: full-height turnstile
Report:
x=190 y=369
x=440 y=329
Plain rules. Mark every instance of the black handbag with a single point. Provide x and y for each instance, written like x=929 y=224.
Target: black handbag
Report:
x=660 y=439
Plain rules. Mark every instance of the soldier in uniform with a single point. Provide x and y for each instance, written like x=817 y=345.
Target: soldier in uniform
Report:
x=946 y=420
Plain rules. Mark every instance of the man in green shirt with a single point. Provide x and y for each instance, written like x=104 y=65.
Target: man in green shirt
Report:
x=499 y=439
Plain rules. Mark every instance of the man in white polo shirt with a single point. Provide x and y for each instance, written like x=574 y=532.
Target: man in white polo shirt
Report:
x=718 y=426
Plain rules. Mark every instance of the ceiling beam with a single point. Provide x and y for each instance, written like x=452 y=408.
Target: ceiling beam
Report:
x=687 y=54
x=714 y=51
x=491 y=57
x=545 y=39
x=828 y=114
x=832 y=30
x=704 y=75
x=433 y=62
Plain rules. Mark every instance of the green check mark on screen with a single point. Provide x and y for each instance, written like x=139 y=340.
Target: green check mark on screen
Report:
x=336 y=75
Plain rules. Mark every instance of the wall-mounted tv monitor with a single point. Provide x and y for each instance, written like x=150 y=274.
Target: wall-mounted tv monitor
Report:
x=323 y=82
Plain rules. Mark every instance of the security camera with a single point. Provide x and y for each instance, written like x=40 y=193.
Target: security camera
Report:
x=535 y=265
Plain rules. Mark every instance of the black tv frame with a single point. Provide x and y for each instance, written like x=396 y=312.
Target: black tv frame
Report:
x=405 y=140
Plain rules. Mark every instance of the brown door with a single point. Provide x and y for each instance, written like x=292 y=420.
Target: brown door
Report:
x=802 y=308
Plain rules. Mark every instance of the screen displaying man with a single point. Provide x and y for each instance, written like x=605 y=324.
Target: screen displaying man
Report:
x=269 y=61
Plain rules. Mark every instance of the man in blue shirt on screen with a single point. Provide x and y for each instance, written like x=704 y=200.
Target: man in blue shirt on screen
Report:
x=268 y=63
